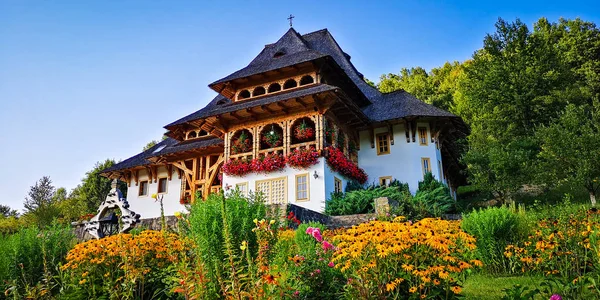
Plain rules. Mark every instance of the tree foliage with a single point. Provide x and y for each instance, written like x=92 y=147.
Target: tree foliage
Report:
x=39 y=202
x=570 y=150
x=6 y=211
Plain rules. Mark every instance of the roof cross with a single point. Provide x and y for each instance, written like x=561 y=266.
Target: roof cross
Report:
x=291 y=17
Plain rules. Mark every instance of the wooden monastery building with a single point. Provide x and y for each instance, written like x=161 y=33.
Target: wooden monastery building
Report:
x=297 y=124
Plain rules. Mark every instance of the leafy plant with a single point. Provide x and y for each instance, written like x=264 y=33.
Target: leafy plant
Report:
x=495 y=228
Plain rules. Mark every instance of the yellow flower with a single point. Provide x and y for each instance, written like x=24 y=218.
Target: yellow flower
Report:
x=154 y=196
x=456 y=289
x=390 y=286
x=178 y=214
x=413 y=290
x=82 y=281
x=244 y=245
x=272 y=222
x=255 y=221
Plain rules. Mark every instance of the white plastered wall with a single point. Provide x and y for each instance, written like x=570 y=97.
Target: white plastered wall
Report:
x=404 y=160
x=146 y=206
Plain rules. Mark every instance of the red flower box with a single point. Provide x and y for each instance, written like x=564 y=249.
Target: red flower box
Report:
x=303 y=158
x=338 y=162
x=238 y=167
x=268 y=163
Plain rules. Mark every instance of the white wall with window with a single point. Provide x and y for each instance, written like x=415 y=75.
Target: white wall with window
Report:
x=140 y=196
x=401 y=161
x=299 y=187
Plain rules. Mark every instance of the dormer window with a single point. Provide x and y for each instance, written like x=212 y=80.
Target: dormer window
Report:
x=245 y=94
x=279 y=53
x=290 y=83
x=274 y=87
x=191 y=135
x=258 y=91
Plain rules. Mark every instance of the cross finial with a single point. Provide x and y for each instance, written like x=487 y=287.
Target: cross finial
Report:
x=291 y=17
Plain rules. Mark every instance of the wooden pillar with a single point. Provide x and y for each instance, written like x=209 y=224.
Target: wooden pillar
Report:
x=194 y=178
x=287 y=141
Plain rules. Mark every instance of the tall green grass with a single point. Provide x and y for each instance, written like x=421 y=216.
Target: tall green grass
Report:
x=207 y=229
x=30 y=258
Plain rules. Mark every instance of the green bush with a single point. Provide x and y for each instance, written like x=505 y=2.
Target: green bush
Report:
x=361 y=201
x=495 y=228
x=432 y=203
x=207 y=230
x=29 y=260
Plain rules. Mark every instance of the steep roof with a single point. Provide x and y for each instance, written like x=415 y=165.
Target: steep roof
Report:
x=401 y=104
x=289 y=50
x=166 y=146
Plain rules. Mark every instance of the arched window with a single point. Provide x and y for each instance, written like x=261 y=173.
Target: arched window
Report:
x=191 y=135
x=290 y=83
x=244 y=94
x=202 y=133
x=259 y=90
x=306 y=80
x=274 y=87
x=271 y=136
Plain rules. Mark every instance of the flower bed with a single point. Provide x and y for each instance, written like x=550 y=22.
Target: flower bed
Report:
x=237 y=167
x=338 y=162
x=303 y=158
x=390 y=260
x=268 y=163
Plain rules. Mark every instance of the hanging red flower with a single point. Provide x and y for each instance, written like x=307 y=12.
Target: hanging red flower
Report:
x=241 y=144
x=338 y=162
x=303 y=158
x=237 y=167
x=303 y=132
x=268 y=163
x=272 y=139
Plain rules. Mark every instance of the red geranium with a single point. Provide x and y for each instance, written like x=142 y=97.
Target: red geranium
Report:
x=338 y=162
x=237 y=167
x=268 y=163
x=303 y=132
x=303 y=158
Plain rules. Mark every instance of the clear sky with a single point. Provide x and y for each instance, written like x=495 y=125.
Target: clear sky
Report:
x=82 y=81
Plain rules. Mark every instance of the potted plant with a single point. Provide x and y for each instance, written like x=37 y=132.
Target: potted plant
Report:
x=303 y=132
x=303 y=158
x=241 y=144
x=272 y=138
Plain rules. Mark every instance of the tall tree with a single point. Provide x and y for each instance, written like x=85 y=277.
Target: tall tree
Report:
x=39 y=202
x=517 y=82
x=95 y=187
x=437 y=87
x=570 y=150
x=6 y=211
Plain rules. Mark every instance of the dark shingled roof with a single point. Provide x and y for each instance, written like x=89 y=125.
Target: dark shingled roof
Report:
x=213 y=108
x=166 y=146
x=296 y=49
x=291 y=50
x=401 y=104
x=188 y=145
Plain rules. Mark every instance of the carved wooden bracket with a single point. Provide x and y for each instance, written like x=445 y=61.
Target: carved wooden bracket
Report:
x=372 y=137
x=391 y=132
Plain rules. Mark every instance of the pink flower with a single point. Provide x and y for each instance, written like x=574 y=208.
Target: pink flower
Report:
x=555 y=297
x=317 y=235
x=318 y=271
x=296 y=293
x=309 y=230
x=327 y=246
x=331 y=264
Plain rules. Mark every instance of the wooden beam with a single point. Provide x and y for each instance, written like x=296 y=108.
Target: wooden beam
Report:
x=299 y=101
x=236 y=116
x=372 y=137
x=267 y=109
x=169 y=171
x=252 y=114
x=391 y=131
x=283 y=107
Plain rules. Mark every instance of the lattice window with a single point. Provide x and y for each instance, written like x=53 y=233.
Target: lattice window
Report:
x=274 y=190
x=383 y=144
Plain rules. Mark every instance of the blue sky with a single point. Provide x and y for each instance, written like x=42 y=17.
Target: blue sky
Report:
x=82 y=81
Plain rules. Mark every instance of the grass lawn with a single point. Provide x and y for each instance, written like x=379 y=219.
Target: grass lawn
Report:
x=482 y=286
